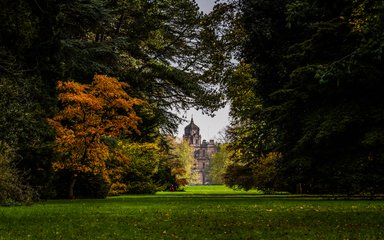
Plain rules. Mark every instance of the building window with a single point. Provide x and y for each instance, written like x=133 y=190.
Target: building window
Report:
x=203 y=153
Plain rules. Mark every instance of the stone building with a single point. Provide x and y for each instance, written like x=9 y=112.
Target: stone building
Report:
x=203 y=151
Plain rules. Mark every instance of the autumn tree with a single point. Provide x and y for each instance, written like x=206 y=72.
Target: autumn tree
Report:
x=91 y=114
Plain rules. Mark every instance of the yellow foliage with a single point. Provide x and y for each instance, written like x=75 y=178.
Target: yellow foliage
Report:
x=118 y=188
x=91 y=112
x=362 y=17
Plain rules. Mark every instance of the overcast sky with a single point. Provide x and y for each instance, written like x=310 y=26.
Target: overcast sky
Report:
x=209 y=127
x=206 y=5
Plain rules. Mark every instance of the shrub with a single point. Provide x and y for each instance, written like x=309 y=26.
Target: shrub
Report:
x=138 y=187
x=88 y=185
x=13 y=190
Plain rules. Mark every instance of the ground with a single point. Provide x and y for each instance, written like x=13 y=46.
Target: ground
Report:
x=198 y=213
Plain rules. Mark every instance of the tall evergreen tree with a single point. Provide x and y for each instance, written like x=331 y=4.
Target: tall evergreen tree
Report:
x=317 y=70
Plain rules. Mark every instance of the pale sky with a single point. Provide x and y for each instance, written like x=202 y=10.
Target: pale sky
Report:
x=209 y=127
x=206 y=5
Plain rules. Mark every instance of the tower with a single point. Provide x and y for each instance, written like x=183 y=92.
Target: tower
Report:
x=192 y=134
x=202 y=152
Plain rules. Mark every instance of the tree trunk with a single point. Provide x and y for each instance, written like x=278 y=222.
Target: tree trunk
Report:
x=72 y=186
x=299 y=188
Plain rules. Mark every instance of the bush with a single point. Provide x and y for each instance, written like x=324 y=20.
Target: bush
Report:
x=13 y=190
x=138 y=187
x=88 y=185
x=117 y=188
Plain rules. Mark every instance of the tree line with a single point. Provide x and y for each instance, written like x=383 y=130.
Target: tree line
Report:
x=307 y=98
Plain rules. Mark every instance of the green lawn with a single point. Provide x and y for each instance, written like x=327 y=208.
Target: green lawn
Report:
x=222 y=214
x=214 y=189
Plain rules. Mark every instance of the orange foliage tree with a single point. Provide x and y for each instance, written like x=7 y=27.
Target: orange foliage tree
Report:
x=90 y=114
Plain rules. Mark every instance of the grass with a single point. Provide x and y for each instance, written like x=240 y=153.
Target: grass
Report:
x=211 y=190
x=199 y=213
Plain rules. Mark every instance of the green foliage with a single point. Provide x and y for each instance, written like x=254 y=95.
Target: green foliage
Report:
x=22 y=122
x=87 y=186
x=250 y=141
x=17 y=26
x=13 y=189
x=139 y=175
x=163 y=165
x=218 y=164
x=26 y=86
x=182 y=160
x=158 y=47
x=317 y=67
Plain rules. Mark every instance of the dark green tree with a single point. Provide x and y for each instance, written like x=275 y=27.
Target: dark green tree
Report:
x=317 y=66
x=24 y=95
x=160 y=47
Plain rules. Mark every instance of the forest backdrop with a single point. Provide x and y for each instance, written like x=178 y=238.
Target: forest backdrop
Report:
x=307 y=102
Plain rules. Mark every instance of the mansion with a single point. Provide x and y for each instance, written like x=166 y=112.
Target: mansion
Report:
x=203 y=151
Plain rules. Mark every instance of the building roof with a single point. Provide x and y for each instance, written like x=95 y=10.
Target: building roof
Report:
x=191 y=126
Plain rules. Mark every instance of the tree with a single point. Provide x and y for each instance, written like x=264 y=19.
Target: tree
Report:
x=181 y=162
x=159 y=47
x=90 y=114
x=219 y=163
x=13 y=189
x=250 y=137
x=26 y=98
x=317 y=70
x=139 y=175
x=154 y=166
